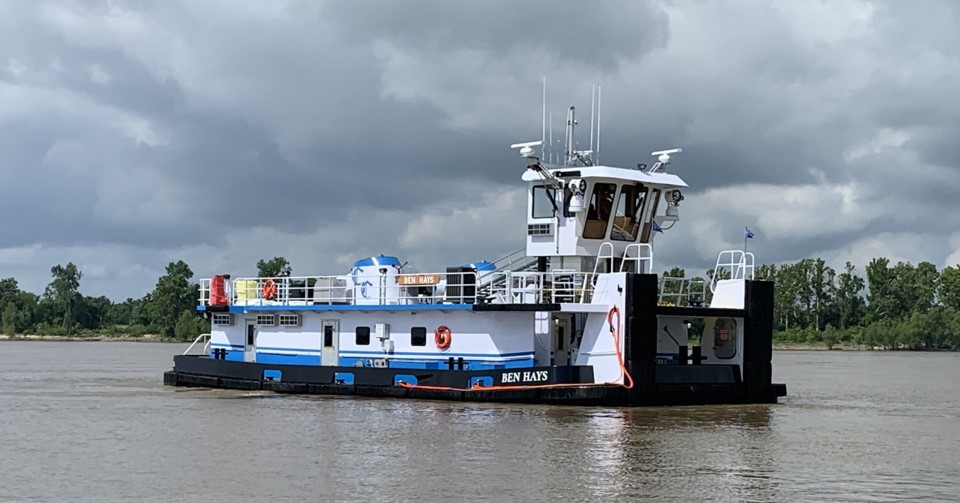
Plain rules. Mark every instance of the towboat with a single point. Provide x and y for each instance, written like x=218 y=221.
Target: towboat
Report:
x=577 y=316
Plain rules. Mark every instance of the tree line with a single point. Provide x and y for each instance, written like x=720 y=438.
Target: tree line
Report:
x=892 y=306
x=170 y=310
x=900 y=306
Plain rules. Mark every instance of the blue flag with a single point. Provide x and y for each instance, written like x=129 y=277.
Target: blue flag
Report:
x=655 y=227
x=747 y=234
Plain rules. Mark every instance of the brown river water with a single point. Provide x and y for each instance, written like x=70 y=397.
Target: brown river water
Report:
x=93 y=422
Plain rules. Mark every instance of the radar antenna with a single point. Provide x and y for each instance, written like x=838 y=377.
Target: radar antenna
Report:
x=533 y=162
x=663 y=158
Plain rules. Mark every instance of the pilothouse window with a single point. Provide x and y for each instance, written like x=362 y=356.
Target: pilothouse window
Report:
x=654 y=202
x=601 y=206
x=544 y=202
x=626 y=223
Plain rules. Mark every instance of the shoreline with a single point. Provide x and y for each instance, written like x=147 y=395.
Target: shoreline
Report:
x=154 y=338
x=148 y=338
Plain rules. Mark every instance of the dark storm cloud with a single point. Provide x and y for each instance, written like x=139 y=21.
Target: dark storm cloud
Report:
x=133 y=133
x=595 y=34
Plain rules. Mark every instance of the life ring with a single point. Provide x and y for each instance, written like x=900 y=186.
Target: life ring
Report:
x=269 y=289
x=442 y=337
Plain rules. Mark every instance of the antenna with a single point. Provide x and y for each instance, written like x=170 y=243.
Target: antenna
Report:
x=526 y=149
x=571 y=124
x=597 y=155
x=593 y=99
x=543 y=133
x=551 y=137
x=663 y=159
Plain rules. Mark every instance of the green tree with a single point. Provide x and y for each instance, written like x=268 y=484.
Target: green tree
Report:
x=63 y=293
x=822 y=290
x=189 y=326
x=273 y=268
x=849 y=301
x=173 y=295
x=922 y=287
x=949 y=287
x=8 y=290
x=880 y=281
x=9 y=319
x=766 y=272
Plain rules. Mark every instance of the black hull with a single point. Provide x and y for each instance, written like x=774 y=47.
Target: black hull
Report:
x=312 y=380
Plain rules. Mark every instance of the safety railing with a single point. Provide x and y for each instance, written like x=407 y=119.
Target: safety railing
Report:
x=517 y=260
x=732 y=264
x=682 y=291
x=507 y=287
x=204 y=341
x=640 y=254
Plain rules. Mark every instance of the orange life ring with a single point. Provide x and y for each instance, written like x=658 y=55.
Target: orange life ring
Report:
x=269 y=289
x=442 y=337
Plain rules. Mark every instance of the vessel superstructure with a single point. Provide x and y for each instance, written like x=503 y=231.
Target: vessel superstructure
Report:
x=577 y=316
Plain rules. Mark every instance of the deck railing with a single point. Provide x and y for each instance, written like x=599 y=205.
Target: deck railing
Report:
x=466 y=287
x=204 y=341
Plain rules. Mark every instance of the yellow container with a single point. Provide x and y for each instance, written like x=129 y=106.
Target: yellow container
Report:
x=246 y=290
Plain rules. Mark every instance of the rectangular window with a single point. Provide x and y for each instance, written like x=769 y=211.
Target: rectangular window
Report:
x=266 y=319
x=251 y=333
x=654 y=202
x=539 y=229
x=222 y=319
x=328 y=336
x=289 y=320
x=544 y=202
x=601 y=207
x=418 y=336
x=626 y=222
x=363 y=336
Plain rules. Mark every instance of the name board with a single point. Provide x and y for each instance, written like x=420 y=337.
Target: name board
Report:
x=418 y=279
x=526 y=376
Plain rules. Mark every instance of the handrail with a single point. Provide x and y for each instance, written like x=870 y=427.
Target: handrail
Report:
x=516 y=260
x=464 y=287
x=740 y=266
x=686 y=292
x=640 y=259
x=206 y=345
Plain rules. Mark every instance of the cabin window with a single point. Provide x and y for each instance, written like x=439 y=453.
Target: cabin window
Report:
x=289 y=320
x=363 y=336
x=601 y=206
x=626 y=222
x=328 y=336
x=266 y=320
x=222 y=319
x=544 y=202
x=654 y=202
x=418 y=336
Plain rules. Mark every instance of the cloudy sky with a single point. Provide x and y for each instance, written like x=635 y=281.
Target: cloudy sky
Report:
x=133 y=133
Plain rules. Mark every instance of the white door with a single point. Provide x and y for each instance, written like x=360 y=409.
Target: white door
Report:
x=329 y=341
x=250 y=342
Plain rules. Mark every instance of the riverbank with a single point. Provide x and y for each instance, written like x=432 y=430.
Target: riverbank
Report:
x=88 y=338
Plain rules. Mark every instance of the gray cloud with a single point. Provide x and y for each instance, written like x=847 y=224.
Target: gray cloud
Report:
x=133 y=134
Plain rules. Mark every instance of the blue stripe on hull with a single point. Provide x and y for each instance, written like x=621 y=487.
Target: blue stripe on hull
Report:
x=285 y=359
x=399 y=363
x=439 y=364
